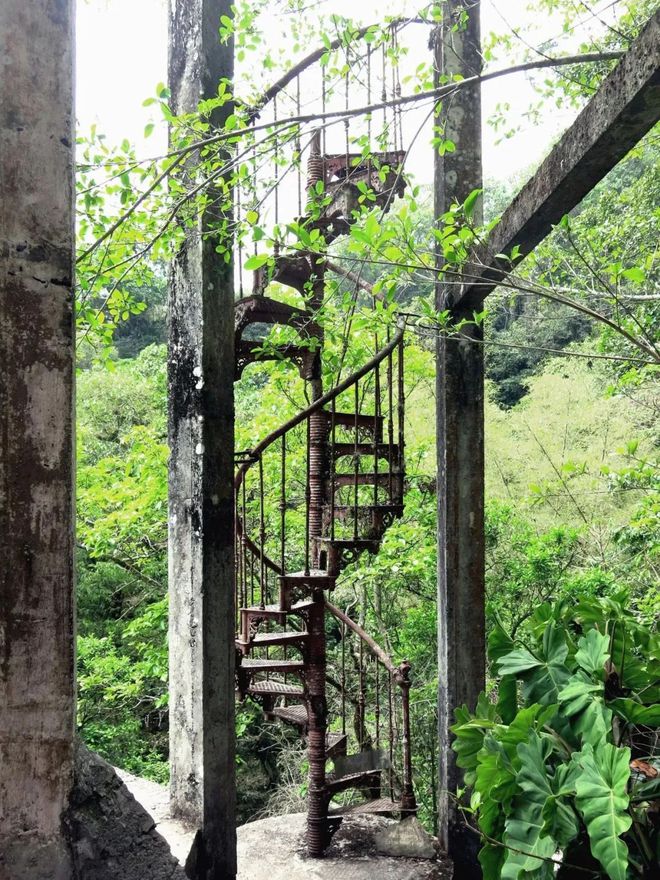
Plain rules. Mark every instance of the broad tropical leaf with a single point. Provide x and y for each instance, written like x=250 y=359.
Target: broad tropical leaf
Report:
x=636 y=713
x=602 y=800
x=542 y=675
x=593 y=652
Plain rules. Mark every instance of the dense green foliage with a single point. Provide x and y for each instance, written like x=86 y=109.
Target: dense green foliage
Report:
x=549 y=764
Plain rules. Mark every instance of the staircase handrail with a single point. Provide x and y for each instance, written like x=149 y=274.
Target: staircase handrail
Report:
x=252 y=457
x=373 y=646
x=401 y=676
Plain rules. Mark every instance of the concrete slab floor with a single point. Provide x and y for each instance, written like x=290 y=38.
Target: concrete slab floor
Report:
x=273 y=849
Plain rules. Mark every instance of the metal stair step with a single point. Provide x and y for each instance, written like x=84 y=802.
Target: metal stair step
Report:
x=273 y=688
x=378 y=806
x=272 y=666
x=363 y=779
x=267 y=640
x=292 y=271
x=383 y=450
x=371 y=423
x=335 y=744
x=296 y=715
x=382 y=478
x=316 y=578
x=274 y=611
x=346 y=512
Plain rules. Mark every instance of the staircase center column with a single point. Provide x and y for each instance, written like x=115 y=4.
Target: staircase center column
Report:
x=318 y=434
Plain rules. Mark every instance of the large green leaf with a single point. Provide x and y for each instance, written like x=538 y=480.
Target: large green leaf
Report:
x=529 y=845
x=582 y=702
x=593 y=652
x=542 y=674
x=500 y=643
x=469 y=733
x=636 y=713
x=602 y=799
x=491 y=823
x=561 y=821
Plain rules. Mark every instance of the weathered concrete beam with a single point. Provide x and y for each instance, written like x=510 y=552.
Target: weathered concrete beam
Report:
x=460 y=443
x=623 y=110
x=36 y=436
x=201 y=436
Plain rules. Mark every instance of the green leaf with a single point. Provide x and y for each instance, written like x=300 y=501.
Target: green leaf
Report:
x=469 y=735
x=256 y=261
x=593 y=651
x=602 y=799
x=470 y=202
x=635 y=273
x=542 y=675
x=635 y=712
x=646 y=791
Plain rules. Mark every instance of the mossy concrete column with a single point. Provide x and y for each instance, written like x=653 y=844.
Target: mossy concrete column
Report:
x=201 y=436
x=460 y=433
x=37 y=683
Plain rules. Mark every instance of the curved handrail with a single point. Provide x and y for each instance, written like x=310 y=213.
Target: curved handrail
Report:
x=400 y=675
x=328 y=397
x=373 y=646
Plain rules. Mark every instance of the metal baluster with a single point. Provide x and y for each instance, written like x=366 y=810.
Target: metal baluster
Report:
x=333 y=466
x=244 y=538
x=239 y=221
x=343 y=678
x=376 y=420
x=262 y=535
x=251 y=578
x=377 y=664
x=298 y=148
x=391 y=736
x=362 y=701
x=356 y=464
x=237 y=562
x=390 y=416
x=283 y=506
x=276 y=159
x=401 y=415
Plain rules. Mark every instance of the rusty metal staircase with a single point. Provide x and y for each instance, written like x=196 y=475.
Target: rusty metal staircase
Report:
x=293 y=542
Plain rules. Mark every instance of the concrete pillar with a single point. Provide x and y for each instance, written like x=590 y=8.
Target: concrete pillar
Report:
x=460 y=438
x=201 y=436
x=36 y=436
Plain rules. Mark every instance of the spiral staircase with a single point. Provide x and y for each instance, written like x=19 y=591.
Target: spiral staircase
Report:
x=294 y=537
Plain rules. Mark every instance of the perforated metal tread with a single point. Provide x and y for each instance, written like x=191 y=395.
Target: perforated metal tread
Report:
x=272 y=666
x=379 y=806
x=353 y=780
x=275 y=610
x=296 y=715
x=348 y=420
x=382 y=478
x=315 y=577
x=383 y=450
x=275 y=688
x=261 y=640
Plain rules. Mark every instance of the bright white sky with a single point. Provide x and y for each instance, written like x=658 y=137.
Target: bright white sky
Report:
x=122 y=55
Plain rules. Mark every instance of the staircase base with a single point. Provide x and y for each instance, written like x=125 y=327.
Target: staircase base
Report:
x=274 y=849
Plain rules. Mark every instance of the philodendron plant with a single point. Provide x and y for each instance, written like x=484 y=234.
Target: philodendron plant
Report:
x=563 y=771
